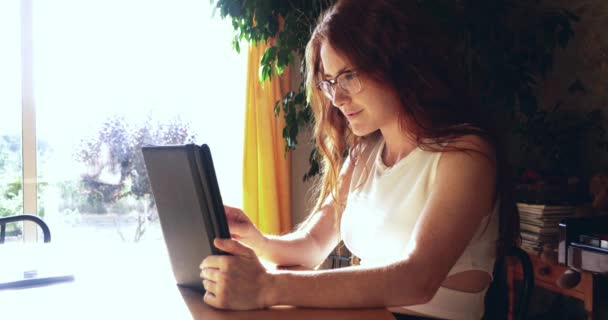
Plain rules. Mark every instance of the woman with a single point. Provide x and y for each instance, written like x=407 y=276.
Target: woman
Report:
x=412 y=180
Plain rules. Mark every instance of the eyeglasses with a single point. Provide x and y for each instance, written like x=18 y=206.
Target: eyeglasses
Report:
x=347 y=80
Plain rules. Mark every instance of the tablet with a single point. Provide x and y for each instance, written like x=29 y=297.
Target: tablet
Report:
x=189 y=204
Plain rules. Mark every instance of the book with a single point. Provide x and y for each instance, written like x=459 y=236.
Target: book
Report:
x=539 y=222
x=540 y=238
x=541 y=209
x=531 y=247
x=539 y=229
x=555 y=219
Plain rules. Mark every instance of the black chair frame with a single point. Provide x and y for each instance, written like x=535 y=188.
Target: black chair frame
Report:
x=525 y=291
x=24 y=217
x=497 y=297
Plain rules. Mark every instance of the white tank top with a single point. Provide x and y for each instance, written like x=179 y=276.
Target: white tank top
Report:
x=382 y=209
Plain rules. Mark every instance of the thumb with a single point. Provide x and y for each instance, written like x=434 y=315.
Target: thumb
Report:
x=234 y=247
x=231 y=212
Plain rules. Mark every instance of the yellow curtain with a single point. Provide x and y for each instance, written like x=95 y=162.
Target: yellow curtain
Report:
x=266 y=168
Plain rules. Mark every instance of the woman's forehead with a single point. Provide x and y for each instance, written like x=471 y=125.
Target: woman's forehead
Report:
x=332 y=62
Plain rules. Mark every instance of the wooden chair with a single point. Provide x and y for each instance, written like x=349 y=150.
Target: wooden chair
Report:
x=24 y=217
x=497 y=297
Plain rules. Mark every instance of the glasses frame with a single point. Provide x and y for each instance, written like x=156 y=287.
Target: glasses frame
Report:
x=330 y=84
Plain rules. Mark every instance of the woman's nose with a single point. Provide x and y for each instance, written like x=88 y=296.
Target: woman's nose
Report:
x=340 y=97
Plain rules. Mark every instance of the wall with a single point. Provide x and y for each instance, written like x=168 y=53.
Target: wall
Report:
x=585 y=58
x=303 y=197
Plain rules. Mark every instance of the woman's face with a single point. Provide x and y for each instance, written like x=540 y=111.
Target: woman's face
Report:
x=375 y=106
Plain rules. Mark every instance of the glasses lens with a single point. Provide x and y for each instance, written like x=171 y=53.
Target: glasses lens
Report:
x=327 y=89
x=350 y=82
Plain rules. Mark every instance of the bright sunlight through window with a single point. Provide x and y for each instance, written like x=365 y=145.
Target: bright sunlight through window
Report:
x=110 y=76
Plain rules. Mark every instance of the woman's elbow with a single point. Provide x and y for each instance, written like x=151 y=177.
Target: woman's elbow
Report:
x=428 y=292
x=316 y=259
x=423 y=292
x=420 y=289
x=319 y=251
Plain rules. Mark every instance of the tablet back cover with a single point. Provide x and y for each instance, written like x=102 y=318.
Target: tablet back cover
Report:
x=182 y=209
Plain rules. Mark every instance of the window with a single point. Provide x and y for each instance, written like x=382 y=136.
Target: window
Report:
x=11 y=195
x=110 y=76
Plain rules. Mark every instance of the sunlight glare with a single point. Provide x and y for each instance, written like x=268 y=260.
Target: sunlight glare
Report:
x=136 y=58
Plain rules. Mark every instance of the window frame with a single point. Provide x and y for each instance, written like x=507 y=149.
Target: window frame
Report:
x=28 y=109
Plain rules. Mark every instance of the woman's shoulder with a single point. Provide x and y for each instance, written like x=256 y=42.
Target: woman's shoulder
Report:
x=473 y=143
x=468 y=153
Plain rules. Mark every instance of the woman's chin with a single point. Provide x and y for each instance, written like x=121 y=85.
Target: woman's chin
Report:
x=359 y=130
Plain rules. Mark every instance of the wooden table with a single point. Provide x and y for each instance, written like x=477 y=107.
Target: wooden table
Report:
x=546 y=275
x=133 y=282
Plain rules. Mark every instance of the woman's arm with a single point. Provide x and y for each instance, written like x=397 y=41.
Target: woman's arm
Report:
x=462 y=195
x=310 y=245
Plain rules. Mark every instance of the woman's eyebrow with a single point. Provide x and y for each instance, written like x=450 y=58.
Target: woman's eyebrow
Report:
x=345 y=68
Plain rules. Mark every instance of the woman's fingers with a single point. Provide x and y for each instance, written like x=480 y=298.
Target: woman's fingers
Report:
x=232 y=282
x=237 y=221
x=233 y=247
x=211 y=299
x=211 y=274
x=232 y=213
x=236 y=215
x=237 y=227
x=220 y=262
x=215 y=262
x=210 y=286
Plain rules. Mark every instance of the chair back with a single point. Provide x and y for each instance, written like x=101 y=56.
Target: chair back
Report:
x=24 y=217
x=497 y=297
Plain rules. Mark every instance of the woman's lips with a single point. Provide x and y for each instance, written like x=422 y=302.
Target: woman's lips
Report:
x=350 y=115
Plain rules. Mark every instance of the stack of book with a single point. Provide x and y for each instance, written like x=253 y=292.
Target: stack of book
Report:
x=539 y=225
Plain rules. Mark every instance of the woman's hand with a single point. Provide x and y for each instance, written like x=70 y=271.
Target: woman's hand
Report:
x=243 y=230
x=237 y=282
